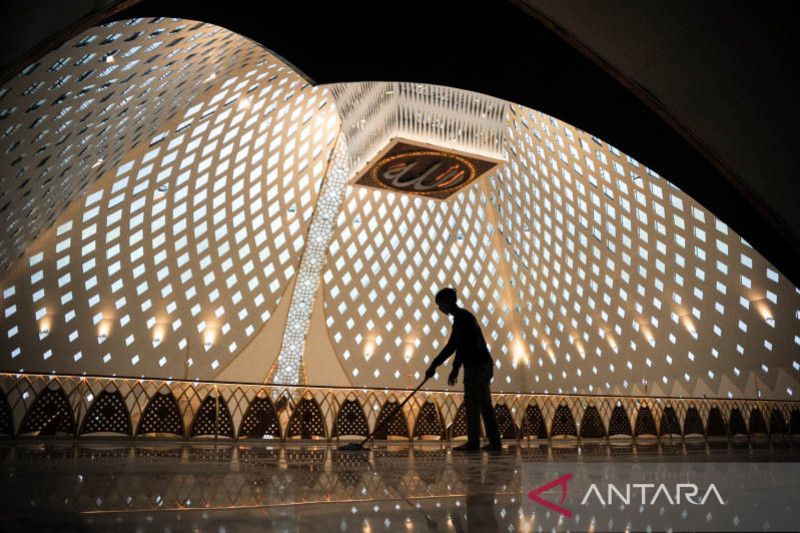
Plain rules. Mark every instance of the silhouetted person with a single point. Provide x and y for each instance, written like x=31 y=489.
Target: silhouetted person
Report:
x=466 y=340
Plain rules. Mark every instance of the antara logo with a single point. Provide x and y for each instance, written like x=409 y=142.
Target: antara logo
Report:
x=636 y=493
x=562 y=482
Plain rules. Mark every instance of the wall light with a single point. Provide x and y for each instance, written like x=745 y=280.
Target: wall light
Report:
x=104 y=329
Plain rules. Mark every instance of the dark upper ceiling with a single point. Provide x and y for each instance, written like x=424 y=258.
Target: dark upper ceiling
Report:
x=706 y=98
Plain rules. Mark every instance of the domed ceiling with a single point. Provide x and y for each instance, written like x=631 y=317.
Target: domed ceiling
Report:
x=175 y=195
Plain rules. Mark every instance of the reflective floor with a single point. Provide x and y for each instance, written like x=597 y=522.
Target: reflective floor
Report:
x=306 y=486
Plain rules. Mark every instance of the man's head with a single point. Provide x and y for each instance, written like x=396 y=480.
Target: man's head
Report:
x=446 y=300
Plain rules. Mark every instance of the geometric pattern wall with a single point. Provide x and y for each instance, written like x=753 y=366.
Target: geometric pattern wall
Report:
x=179 y=252
x=588 y=271
x=159 y=177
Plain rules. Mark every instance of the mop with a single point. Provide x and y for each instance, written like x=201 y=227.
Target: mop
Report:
x=359 y=446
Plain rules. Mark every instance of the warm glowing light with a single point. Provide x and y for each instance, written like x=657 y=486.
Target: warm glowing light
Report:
x=408 y=353
x=245 y=103
x=44 y=326
x=612 y=343
x=109 y=58
x=209 y=336
x=369 y=349
x=98 y=162
x=763 y=309
x=211 y=77
x=688 y=323
x=519 y=353
x=160 y=331
x=103 y=329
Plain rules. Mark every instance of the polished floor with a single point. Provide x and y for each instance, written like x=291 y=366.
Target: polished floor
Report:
x=168 y=486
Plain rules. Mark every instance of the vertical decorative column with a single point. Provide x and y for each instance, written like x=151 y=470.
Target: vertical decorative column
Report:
x=319 y=237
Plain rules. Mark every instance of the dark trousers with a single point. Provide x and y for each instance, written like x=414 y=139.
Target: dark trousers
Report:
x=478 y=401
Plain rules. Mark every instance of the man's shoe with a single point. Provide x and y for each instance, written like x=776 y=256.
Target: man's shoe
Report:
x=467 y=447
x=493 y=447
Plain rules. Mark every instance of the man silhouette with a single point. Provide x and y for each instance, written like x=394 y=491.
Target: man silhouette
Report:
x=466 y=340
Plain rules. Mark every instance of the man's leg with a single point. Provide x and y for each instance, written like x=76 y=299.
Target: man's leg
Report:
x=487 y=411
x=472 y=402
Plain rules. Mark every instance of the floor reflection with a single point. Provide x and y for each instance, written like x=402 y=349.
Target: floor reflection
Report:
x=303 y=486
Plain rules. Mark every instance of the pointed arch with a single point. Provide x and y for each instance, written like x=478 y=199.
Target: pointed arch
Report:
x=350 y=420
x=260 y=420
x=757 y=425
x=592 y=426
x=6 y=418
x=306 y=421
x=107 y=414
x=620 y=423
x=645 y=423
x=533 y=423
x=716 y=424
x=206 y=421
x=669 y=422
x=692 y=423
x=737 y=425
x=161 y=416
x=50 y=414
x=563 y=423
x=777 y=423
x=397 y=426
x=459 y=426
x=505 y=422
x=429 y=421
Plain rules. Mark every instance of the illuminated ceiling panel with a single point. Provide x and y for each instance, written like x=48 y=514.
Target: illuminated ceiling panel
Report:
x=179 y=252
x=589 y=272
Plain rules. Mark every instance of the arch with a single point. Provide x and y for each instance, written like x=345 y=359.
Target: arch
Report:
x=206 y=421
x=533 y=423
x=459 y=426
x=108 y=414
x=592 y=426
x=397 y=426
x=505 y=422
x=736 y=422
x=692 y=423
x=306 y=421
x=161 y=416
x=563 y=423
x=6 y=418
x=794 y=422
x=260 y=420
x=777 y=423
x=716 y=424
x=620 y=423
x=757 y=425
x=50 y=414
x=429 y=421
x=669 y=422
x=350 y=420
x=645 y=423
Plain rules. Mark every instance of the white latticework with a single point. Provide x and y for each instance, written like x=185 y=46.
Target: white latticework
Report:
x=373 y=113
x=319 y=237
x=161 y=184
x=588 y=271
x=182 y=248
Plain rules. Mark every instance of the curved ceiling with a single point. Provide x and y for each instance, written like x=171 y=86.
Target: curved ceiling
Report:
x=733 y=150
x=496 y=48
x=174 y=242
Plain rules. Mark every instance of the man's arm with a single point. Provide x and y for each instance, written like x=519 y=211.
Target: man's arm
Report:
x=446 y=352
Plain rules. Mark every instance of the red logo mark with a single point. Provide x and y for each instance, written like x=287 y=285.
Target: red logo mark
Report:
x=562 y=481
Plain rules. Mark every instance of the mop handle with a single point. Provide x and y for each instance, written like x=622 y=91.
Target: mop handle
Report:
x=383 y=419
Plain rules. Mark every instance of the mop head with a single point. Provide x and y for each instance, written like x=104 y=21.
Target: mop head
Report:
x=353 y=447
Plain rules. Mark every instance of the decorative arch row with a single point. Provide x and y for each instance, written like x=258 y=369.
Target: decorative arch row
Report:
x=47 y=405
